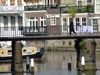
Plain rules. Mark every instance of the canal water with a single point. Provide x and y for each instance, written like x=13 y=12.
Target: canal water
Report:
x=53 y=63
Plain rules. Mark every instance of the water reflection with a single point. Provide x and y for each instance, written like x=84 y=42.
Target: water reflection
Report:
x=54 y=63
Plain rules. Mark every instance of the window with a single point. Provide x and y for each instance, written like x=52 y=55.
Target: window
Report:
x=83 y=21
x=24 y=50
x=3 y=2
x=2 y=52
x=9 y=52
x=79 y=3
x=19 y=2
x=12 y=23
x=53 y=21
x=77 y=22
x=42 y=21
x=97 y=6
x=12 y=2
x=95 y=25
x=5 y=22
x=33 y=23
x=89 y=1
x=64 y=24
x=20 y=21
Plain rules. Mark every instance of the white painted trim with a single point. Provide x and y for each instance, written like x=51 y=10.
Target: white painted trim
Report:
x=62 y=24
x=8 y=2
x=16 y=3
x=23 y=16
x=81 y=20
x=49 y=2
x=76 y=22
x=94 y=17
x=42 y=20
x=92 y=25
x=96 y=7
x=34 y=11
x=16 y=21
x=9 y=21
x=2 y=21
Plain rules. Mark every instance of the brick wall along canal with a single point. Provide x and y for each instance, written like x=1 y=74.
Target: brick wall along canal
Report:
x=54 y=63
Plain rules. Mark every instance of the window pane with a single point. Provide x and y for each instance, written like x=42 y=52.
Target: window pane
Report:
x=64 y=24
x=20 y=21
x=53 y=21
x=5 y=23
x=12 y=22
x=12 y=2
x=41 y=23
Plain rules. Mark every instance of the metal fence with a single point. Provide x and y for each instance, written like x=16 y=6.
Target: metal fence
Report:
x=39 y=7
x=48 y=31
x=80 y=9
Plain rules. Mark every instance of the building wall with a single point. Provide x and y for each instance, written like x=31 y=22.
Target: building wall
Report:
x=35 y=14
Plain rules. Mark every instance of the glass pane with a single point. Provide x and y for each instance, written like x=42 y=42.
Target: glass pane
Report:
x=36 y=25
x=64 y=27
x=20 y=21
x=32 y=17
x=5 y=23
x=41 y=23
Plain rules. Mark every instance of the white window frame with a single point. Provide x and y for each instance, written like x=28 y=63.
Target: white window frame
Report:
x=44 y=19
x=97 y=3
x=77 y=22
x=94 y=25
x=63 y=26
x=35 y=20
x=83 y=21
x=99 y=24
x=51 y=20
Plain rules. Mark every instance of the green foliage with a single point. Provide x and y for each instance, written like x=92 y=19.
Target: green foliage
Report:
x=82 y=44
x=72 y=10
x=94 y=43
x=70 y=42
x=87 y=51
x=89 y=8
x=84 y=9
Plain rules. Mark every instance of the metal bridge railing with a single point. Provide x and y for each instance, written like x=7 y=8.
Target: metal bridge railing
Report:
x=48 y=30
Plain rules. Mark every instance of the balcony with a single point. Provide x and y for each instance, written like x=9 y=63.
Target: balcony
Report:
x=80 y=9
x=39 y=7
x=11 y=8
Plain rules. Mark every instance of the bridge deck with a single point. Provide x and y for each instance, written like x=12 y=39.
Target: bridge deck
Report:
x=48 y=37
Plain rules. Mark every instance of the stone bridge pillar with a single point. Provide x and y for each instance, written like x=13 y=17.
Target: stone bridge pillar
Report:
x=86 y=48
x=17 y=65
